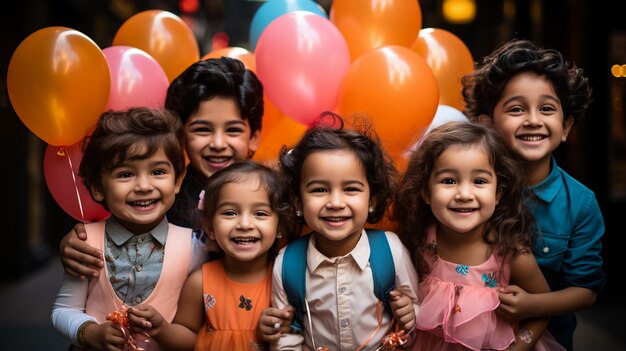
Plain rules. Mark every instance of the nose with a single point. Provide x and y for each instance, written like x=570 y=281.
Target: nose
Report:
x=143 y=183
x=244 y=222
x=336 y=200
x=533 y=119
x=464 y=192
x=218 y=140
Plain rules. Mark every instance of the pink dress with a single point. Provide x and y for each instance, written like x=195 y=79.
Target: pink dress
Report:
x=458 y=303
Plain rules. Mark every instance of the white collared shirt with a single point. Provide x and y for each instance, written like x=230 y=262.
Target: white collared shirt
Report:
x=340 y=295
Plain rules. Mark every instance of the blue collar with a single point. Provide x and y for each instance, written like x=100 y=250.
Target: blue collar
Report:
x=547 y=189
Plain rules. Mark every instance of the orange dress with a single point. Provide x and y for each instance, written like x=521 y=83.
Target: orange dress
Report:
x=232 y=310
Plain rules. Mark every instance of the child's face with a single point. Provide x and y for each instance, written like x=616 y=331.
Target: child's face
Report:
x=529 y=118
x=462 y=190
x=216 y=136
x=139 y=192
x=244 y=224
x=335 y=197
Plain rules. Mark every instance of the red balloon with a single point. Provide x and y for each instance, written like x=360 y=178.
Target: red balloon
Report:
x=60 y=169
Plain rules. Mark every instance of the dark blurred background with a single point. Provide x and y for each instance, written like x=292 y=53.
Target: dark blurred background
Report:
x=590 y=33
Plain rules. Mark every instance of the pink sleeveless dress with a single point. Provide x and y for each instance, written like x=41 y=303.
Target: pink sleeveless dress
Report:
x=458 y=303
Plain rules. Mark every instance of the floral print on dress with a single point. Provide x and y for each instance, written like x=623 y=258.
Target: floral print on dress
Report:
x=245 y=303
x=462 y=269
x=490 y=280
x=209 y=301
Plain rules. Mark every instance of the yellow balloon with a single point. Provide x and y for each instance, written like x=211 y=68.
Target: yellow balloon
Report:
x=164 y=36
x=58 y=83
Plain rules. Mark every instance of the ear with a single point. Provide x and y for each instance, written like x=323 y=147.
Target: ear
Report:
x=567 y=127
x=425 y=197
x=255 y=139
x=97 y=194
x=179 y=182
x=211 y=235
x=485 y=119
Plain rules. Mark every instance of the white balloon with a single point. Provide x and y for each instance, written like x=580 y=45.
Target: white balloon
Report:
x=443 y=115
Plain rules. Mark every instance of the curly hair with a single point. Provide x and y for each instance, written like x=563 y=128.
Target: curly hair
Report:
x=330 y=133
x=223 y=77
x=482 y=89
x=135 y=134
x=269 y=179
x=509 y=229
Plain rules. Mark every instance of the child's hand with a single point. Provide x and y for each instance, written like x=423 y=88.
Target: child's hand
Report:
x=402 y=308
x=145 y=318
x=79 y=258
x=274 y=322
x=515 y=303
x=105 y=336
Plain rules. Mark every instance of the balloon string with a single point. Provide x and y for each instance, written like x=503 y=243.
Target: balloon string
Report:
x=80 y=203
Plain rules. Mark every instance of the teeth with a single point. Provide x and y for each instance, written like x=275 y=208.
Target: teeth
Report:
x=218 y=159
x=464 y=210
x=245 y=240
x=143 y=203
x=335 y=219
x=531 y=137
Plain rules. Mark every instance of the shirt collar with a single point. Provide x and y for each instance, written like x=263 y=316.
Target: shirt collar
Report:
x=120 y=235
x=360 y=254
x=547 y=189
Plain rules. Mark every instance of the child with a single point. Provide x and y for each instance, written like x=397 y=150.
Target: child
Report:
x=532 y=97
x=133 y=165
x=220 y=304
x=341 y=179
x=220 y=103
x=460 y=211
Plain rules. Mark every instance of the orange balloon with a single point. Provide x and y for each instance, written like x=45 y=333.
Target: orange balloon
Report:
x=238 y=53
x=369 y=24
x=450 y=60
x=58 y=83
x=394 y=87
x=284 y=131
x=164 y=36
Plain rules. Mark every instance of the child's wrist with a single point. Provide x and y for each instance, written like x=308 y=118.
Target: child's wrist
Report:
x=80 y=334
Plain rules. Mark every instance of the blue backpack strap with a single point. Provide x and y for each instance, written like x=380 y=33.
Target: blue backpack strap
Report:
x=383 y=268
x=294 y=277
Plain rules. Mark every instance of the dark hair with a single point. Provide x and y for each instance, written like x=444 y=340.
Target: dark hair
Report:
x=509 y=229
x=224 y=77
x=482 y=89
x=135 y=134
x=274 y=184
x=328 y=133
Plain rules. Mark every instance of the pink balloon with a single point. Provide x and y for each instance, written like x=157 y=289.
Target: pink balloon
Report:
x=137 y=79
x=301 y=59
x=60 y=169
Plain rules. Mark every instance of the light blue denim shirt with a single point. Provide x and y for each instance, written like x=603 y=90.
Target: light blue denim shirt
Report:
x=134 y=262
x=568 y=244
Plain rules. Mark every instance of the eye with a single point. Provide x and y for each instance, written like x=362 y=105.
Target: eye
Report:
x=262 y=213
x=318 y=190
x=448 y=181
x=352 y=189
x=158 y=172
x=124 y=174
x=234 y=130
x=201 y=130
x=547 y=108
x=481 y=181
x=516 y=110
x=229 y=213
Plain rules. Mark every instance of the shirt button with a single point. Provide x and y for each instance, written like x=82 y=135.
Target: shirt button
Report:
x=345 y=323
x=138 y=299
x=342 y=290
x=546 y=249
x=138 y=268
